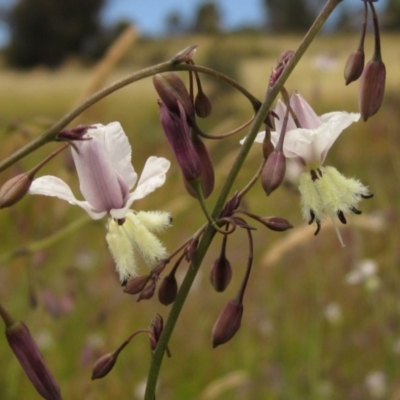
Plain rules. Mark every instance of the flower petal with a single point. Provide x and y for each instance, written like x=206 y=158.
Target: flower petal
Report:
x=114 y=140
x=332 y=126
x=53 y=186
x=100 y=183
x=307 y=117
x=146 y=243
x=121 y=248
x=280 y=111
x=153 y=176
x=259 y=138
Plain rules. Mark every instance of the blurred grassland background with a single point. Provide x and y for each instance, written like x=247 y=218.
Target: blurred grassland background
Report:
x=307 y=333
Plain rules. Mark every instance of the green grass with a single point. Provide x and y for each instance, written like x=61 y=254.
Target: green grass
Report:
x=286 y=347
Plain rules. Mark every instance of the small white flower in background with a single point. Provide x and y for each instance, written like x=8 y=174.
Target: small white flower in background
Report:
x=376 y=384
x=106 y=178
x=364 y=273
x=324 y=191
x=333 y=313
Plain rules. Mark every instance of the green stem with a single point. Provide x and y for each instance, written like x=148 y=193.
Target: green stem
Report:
x=210 y=232
x=43 y=244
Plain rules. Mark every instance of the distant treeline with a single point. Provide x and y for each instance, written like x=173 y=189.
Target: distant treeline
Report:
x=47 y=32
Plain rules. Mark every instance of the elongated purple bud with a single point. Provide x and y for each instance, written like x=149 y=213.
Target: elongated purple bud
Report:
x=136 y=285
x=221 y=273
x=104 y=365
x=14 y=189
x=202 y=105
x=372 y=88
x=25 y=349
x=273 y=172
x=207 y=168
x=157 y=326
x=354 y=66
x=228 y=323
x=168 y=290
x=277 y=224
x=177 y=131
x=172 y=91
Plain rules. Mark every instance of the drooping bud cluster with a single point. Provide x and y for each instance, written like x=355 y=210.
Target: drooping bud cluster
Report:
x=177 y=115
x=373 y=75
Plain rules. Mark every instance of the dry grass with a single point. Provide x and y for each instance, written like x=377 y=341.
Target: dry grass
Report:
x=306 y=334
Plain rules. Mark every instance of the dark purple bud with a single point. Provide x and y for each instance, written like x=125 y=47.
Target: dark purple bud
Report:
x=372 y=88
x=267 y=146
x=277 y=224
x=230 y=206
x=25 y=349
x=148 y=292
x=172 y=91
x=157 y=326
x=354 y=66
x=104 y=365
x=207 y=169
x=220 y=273
x=202 y=105
x=241 y=223
x=168 y=290
x=273 y=172
x=136 y=285
x=74 y=133
x=177 y=131
x=14 y=190
x=228 y=323
x=283 y=59
x=190 y=251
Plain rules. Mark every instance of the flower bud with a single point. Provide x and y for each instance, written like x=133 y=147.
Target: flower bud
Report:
x=148 y=292
x=277 y=224
x=172 y=91
x=354 y=66
x=283 y=60
x=104 y=365
x=372 y=88
x=25 y=349
x=191 y=249
x=157 y=326
x=168 y=290
x=185 y=55
x=220 y=273
x=14 y=190
x=136 y=285
x=177 y=131
x=228 y=323
x=207 y=169
x=202 y=105
x=273 y=172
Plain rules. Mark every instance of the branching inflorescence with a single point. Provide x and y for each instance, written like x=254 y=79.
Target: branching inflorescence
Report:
x=109 y=185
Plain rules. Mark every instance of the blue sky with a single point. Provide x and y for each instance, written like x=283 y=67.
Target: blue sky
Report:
x=149 y=15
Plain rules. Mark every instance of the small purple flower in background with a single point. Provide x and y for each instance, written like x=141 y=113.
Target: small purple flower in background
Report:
x=106 y=178
x=324 y=191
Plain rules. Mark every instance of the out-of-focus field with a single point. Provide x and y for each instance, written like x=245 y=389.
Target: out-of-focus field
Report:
x=319 y=322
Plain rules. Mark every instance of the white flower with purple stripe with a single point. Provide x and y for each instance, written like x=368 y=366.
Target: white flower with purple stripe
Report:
x=109 y=185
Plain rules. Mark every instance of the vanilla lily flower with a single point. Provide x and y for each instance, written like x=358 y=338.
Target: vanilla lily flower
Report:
x=324 y=191
x=107 y=177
